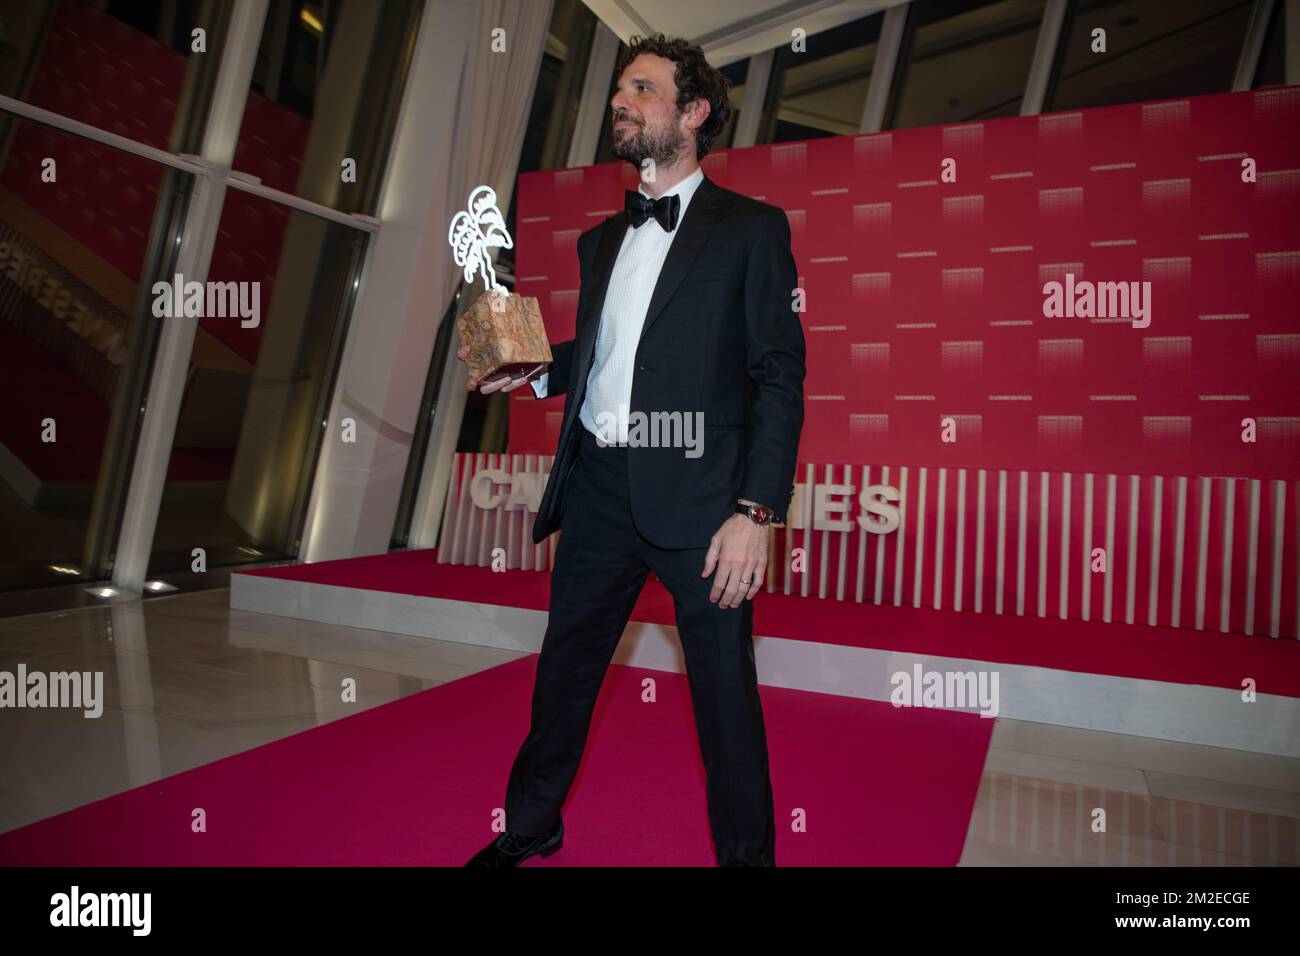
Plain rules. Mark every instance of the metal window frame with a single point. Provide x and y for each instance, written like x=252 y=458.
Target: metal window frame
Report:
x=1047 y=54
x=885 y=71
x=199 y=166
x=1291 y=43
x=757 y=77
x=592 y=105
x=1252 y=46
x=190 y=164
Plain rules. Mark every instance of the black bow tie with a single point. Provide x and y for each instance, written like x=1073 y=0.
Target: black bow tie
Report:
x=640 y=207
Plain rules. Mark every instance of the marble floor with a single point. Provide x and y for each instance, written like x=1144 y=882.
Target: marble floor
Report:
x=187 y=681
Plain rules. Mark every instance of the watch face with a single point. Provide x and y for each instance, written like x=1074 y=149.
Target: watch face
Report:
x=762 y=515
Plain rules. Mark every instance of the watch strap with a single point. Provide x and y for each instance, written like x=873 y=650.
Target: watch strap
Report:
x=749 y=512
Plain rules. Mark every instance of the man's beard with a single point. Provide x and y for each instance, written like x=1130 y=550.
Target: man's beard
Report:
x=637 y=145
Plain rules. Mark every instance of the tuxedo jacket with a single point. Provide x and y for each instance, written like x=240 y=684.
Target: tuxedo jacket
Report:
x=720 y=339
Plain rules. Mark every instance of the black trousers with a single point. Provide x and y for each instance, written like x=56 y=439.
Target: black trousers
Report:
x=601 y=563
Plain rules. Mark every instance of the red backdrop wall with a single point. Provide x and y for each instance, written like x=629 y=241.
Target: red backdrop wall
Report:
x=924 y=298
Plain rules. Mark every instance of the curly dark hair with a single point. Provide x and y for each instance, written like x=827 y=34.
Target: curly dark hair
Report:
x=695 y=79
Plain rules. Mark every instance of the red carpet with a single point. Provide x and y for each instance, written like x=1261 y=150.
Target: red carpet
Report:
x=415 y=782
x=1174 y=655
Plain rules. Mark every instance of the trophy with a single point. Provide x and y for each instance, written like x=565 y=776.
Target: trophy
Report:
x=504 y=332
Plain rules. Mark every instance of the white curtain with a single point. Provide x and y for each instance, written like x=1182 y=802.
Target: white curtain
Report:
x=494 y=105
x=462 y=123
x=497 y=112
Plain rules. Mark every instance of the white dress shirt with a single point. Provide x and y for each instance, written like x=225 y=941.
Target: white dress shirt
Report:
x=631 y=284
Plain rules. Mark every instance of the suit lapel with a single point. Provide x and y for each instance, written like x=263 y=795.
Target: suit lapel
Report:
x=705 y=211
x=587 y=324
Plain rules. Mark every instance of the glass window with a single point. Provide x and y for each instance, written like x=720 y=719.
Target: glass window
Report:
x=82 y=249
x=1155 y=50
x=123 y=66
x=821 y=90
x=556 y=97
x=605 y=145
x=350 y=54
x=735 y=74
x=76 y=337
x=1272 y=60
x=965 y=61
x=446 y=340
x=250 y=420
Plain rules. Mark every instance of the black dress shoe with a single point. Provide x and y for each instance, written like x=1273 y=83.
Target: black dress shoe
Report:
x=511 y=849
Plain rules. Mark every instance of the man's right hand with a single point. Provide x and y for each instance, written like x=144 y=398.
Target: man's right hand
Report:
x=497 y=382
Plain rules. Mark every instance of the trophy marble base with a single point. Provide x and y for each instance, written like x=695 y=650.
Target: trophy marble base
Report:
x=505 y=335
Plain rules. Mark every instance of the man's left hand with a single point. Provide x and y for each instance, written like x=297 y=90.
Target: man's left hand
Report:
x=739 y=552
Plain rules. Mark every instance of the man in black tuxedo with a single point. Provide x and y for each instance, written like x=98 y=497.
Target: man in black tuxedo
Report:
x=685 y=326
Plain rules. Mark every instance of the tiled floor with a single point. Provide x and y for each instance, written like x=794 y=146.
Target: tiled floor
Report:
x=188 y=681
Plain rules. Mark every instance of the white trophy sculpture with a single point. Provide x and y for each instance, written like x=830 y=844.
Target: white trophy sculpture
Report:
x=504 y=332
x=474 y=232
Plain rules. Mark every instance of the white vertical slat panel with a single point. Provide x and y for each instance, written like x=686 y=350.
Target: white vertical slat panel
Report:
x=1112 y=564
x=879 y=592
x=959 y=561
x=474 y=526
x=1085 y=547
x=1130 y=586
x=1275 y=591
x=919 y=544
x=1295 y=624
x=552 y=542
x=859 y=584
x=842 y=570
x=512 y=519
x=980 y=502
x=1229 y=487
x=463 y=505
x=527 y=551
x=900 y=546
x=810 y=476
x=940 y=519
x=1157 y=526
x=1252 y=555
x=1180 y=542
x=772 y=562
x=1001 y=573
x=1022 y=534
x=1202 y=547
x=498 y=531
x=448 y=528
x=824 y=545
x=1042 y=543
x=1063 y=598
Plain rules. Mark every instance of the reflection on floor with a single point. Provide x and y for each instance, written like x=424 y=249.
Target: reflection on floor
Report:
x=188 y=681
